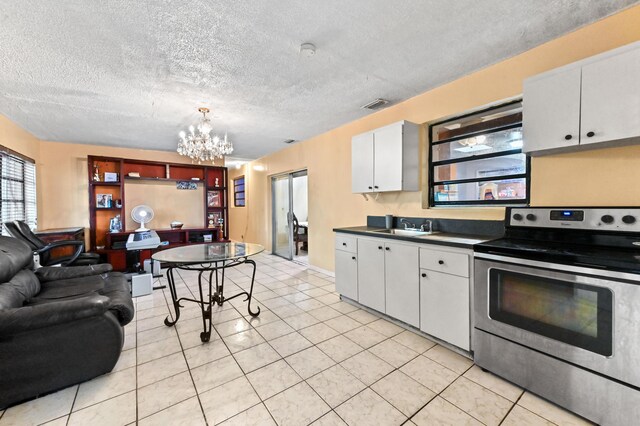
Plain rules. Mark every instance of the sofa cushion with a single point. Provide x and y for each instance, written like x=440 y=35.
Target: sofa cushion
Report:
x=52 y=273
x=71 y=287
x=14 y=256
x=20 y=290
x=113 y=285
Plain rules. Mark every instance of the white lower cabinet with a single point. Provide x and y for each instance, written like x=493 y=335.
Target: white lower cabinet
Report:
x=371 y=273
x=402 y=286
x=421 y=285
x=444 y=307
x=347 y=274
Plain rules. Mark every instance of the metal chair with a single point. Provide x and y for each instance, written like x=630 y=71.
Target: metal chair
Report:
x=21 y=231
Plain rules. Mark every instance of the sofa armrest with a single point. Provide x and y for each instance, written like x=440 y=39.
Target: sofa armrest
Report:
x=51 y=273
x=27 y=318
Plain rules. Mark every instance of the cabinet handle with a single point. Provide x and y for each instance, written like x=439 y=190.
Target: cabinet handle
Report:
x=387 y=249
x=424 y=275
x=568 y=137
x=370 y=187
x=353 y=257
x=441 y=262
x=375 y=186
x=344 y=244
x=591 y=134
x=379 y=247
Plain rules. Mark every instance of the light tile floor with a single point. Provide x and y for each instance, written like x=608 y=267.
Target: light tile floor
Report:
x=309 y=358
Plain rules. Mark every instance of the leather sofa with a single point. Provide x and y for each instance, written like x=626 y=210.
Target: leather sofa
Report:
x=58 y=325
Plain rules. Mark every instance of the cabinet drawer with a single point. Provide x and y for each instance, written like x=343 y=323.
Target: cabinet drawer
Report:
x=345 y=243
x=444 y=261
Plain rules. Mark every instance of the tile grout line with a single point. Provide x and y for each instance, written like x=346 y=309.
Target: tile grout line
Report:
x=440 y=393
x=314 y=344
x=204 y=416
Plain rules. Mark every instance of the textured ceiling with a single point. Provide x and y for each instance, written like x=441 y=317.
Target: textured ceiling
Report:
x=132 y=73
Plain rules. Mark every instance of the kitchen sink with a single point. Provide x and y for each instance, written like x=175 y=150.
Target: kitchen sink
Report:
x=404 y=232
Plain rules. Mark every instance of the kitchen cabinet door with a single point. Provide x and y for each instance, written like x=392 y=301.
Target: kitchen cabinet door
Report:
x=551 y=111
x=444 y=307
x=402 y=283
x=347 y=274
x=387 y=158
x=362 y=163
x=611 y=98
x=371 y=274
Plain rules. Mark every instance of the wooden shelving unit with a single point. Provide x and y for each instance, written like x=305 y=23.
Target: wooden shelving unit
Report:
x=149 y=171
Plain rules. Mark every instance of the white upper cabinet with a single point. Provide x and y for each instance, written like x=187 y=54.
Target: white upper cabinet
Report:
x=551 y=111
x=362 y=163
x=611 y=98
x=594 y=103
x=386 y=159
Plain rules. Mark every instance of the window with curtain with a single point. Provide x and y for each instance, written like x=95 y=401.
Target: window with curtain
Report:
x=476 y=159
x=18 y=196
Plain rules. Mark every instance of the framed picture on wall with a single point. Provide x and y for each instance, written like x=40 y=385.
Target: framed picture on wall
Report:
x=214 y=199
x=103 y=201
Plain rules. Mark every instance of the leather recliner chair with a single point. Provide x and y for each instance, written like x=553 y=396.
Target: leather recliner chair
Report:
x=58 y=325
x=20 y=230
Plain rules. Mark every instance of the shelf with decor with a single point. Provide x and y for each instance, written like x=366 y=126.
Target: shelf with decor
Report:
x=131 y=173
x=161 y=179
x=105 y=189
x=104 y=183
x=117 y=255
x=216 y=199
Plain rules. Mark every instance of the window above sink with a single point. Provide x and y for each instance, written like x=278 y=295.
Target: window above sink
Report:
x=476 y=159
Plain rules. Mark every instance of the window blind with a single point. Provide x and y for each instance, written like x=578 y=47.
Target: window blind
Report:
x=18 y=196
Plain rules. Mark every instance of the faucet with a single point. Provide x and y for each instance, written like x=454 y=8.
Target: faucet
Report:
x=407 y=223
x=427 y=226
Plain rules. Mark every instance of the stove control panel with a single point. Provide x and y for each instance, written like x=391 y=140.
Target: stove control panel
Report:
x=619 y=219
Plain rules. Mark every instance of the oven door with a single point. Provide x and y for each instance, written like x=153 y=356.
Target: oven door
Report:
x=586 y=316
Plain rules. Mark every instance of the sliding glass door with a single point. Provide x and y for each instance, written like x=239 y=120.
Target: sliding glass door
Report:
x=282 y=215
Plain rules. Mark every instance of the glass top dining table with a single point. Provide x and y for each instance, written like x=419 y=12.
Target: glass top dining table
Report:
x=206 y=253
x=210 y=261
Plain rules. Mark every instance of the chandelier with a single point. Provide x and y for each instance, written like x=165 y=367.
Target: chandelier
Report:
x=200 y=145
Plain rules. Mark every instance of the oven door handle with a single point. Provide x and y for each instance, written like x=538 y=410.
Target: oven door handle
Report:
x=635 y=278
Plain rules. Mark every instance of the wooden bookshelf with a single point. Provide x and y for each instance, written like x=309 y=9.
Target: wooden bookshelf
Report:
x=213 y=178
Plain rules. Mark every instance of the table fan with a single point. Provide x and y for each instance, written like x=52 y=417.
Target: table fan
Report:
x=142 y=214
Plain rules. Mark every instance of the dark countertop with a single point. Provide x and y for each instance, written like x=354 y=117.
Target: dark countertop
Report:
x=438 y=238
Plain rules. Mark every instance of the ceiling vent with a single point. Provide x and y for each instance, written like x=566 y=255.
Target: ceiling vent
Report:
x=375 y=104
x=290 y=141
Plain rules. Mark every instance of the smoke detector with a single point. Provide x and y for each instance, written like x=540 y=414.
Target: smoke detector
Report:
x=307 y=49
x=375 y=104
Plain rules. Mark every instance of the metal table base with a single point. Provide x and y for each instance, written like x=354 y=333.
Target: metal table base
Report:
x=217 y=297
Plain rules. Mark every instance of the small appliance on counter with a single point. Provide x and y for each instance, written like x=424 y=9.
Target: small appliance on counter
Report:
x=557 y=308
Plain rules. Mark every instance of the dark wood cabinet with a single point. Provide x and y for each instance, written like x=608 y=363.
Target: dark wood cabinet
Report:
x=58 y=234
x=122 y=170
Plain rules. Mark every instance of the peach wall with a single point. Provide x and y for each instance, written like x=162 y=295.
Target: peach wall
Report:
x=168 y=203
x=587 y=178
x=16 y=138
x=64 y=189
